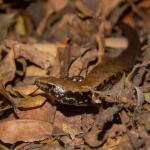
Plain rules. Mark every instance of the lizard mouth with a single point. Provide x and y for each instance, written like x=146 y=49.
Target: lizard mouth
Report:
x=66 y=97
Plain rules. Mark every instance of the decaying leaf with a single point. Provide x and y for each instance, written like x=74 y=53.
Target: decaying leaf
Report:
x=24 y=130
x=7 y=68
x=26 y=89
x=31 y=102
x=66 y=39
x=40 y=57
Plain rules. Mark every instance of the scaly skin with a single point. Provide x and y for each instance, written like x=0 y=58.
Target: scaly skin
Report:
x=100 y=73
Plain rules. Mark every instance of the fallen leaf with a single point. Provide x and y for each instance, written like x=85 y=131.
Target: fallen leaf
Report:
x=39 y=56
x=24 y=130
x=2 y=147
x=26 y=89
x=44 y=113
x=20 y=25
x=31 y=102
x=35 y=71
x=105 y=7
x=7 y=68
x=55 y=3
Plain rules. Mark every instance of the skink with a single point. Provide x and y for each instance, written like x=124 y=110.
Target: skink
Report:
x=78 y=93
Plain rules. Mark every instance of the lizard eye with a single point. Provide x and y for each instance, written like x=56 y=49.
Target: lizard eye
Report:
x=44 y=87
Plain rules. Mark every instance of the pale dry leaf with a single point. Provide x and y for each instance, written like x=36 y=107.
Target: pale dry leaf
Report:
x=24 y=130
x=35 y=71
x=51 y=49
x=26 y=89
x=31 y=102
x=103 y=28
x=117 y=43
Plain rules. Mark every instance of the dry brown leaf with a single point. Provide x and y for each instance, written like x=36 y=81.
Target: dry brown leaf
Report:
x=2 y=147
x=35 y=71
x=23 y=63
x=70 y=125
x=24 y=130
x=55 y=3
x=51 y=7
x=31 y=102
x=27 y=89
x=144 y=4
x=81 y=63
x=39 y=56
x=84 y=9
x=76 y=67
x=106 y=6
x=43 y=113
x=7 y=68
x=120 y=142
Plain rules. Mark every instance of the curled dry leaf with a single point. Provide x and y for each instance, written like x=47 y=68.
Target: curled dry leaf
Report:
x=24 y=130
x=82 y=63
x=76 y=67
x=23 y=63
x=7 y=95
x=7 y=68
x=31 y=102
x=39 y=56
x=105 y=116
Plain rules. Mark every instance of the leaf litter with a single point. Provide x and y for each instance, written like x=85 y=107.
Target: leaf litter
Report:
x=67 y=39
